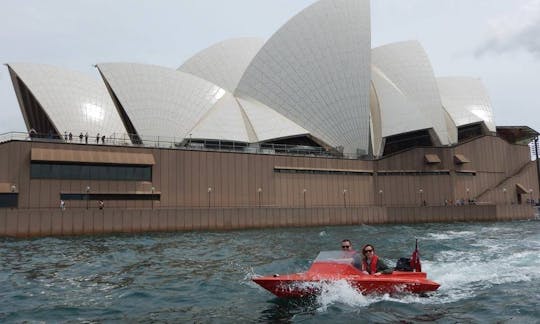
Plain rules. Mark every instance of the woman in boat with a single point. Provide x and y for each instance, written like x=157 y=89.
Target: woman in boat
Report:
x=370 y=262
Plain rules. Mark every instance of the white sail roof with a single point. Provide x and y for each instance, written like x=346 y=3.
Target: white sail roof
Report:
x=267 y=123
x=466 y=100
x=313 y=72
x=160 y=101
x=407 y=67
x=224 y=63
x=225 y=121
x=73 y=101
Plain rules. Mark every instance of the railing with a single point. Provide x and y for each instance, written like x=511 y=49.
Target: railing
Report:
x=133 y=140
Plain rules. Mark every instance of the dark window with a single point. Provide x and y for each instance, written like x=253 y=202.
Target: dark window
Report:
x=110 y=196
x=9 y=200
x=90 y=172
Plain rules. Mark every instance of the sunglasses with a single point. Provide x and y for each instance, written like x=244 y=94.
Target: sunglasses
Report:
x=366 y=251
x=345 y=246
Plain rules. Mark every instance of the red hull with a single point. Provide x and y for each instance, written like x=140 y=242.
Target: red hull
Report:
x=309 y=283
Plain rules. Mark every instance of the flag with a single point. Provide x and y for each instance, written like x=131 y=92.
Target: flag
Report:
x=415 y=259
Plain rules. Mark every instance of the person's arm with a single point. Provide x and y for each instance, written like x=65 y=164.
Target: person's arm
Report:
x=382 y=268
x=357 y=261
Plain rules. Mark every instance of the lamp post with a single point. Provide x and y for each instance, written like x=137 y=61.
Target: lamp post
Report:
x=380 y=197
x=209 y=194
x=153 y=189
x=468 y=195
x=87 y=196
x=259 y=193
x=304 y=193
x=421 y=192
x=14 y=190
x=504 y=193
x=345 y=198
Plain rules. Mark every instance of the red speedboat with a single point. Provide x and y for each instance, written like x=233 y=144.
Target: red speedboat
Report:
x=331 y=266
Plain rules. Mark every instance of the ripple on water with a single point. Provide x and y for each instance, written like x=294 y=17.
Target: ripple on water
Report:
x=488 y=273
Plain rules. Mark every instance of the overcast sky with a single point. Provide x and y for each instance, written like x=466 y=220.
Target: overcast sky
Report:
x=495 y=40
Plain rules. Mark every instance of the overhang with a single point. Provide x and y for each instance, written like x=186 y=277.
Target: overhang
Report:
x=520 y=189
x=517 y=134
x=432 y=158
x=6 y=187
x=461 y=159
x=90 y=157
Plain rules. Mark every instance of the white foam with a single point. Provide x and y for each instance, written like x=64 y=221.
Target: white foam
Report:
x=343 y=293
x=449 y=235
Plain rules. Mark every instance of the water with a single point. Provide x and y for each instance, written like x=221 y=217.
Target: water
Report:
x=488 y=272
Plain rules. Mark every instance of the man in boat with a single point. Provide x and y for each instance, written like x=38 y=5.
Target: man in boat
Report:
x=347 y=248
x=370 y=263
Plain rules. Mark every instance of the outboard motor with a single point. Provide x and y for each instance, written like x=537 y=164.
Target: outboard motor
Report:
x=404 y=264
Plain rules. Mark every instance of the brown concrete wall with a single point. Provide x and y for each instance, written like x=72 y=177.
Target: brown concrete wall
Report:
x=183 y=178
x=38 y=222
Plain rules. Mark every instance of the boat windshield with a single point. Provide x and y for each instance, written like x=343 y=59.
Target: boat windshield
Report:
x=335 y=256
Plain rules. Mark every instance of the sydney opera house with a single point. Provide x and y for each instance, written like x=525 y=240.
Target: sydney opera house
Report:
x=312 y=126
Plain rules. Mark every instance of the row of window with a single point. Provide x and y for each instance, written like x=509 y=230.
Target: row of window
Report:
x=109 y=196
x=90 y=172
x=415 y=173
x=343 y=172
x=381 y=173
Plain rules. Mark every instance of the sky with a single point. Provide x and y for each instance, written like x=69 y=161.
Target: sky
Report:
x=497 y=41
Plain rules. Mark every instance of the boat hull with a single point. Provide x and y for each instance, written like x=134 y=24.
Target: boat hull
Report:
x=311 y=282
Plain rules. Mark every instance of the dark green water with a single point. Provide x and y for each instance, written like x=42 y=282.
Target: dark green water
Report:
x=488 y=272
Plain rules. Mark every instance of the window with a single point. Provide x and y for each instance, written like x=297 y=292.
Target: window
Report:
x=90 y=172
x=9 y=200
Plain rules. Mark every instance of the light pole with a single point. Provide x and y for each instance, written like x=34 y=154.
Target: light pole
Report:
x=468 y=196
x=345 y=198
x=504 y=194
x=153 y=189
x=209 y=194
x=380 y=197
x=14 y=190
x=259 y=193
x=304 y=193
x=87 y=196
x=421 y=192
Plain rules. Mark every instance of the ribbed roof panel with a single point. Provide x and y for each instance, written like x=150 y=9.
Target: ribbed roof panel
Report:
x=313 y=72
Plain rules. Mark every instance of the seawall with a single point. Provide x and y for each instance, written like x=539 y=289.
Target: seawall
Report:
x=54 y=222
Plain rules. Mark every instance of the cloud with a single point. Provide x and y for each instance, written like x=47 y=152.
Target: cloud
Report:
x=517 y=30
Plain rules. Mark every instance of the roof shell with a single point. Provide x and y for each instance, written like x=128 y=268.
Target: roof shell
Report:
x=312 y=71
x=224 y=121
x=408 y=68
x=160 y=101
x=466 y=100
x=224 y=63
x=73 y=101
x=267 y=123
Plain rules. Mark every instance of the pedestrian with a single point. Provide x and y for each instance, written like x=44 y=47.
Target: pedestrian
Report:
x=70 y=137
x=103 y=139
x=80 y=137
x=97 y=138
x=62 y=205
x=101 y=204
x=86 y=138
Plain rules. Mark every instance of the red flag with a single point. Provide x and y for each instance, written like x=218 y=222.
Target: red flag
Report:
x=415 y=259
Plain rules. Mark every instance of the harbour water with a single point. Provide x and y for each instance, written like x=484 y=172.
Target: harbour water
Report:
x=489 y=272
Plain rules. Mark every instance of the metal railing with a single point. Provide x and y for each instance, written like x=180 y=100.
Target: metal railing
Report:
x=133 y=140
